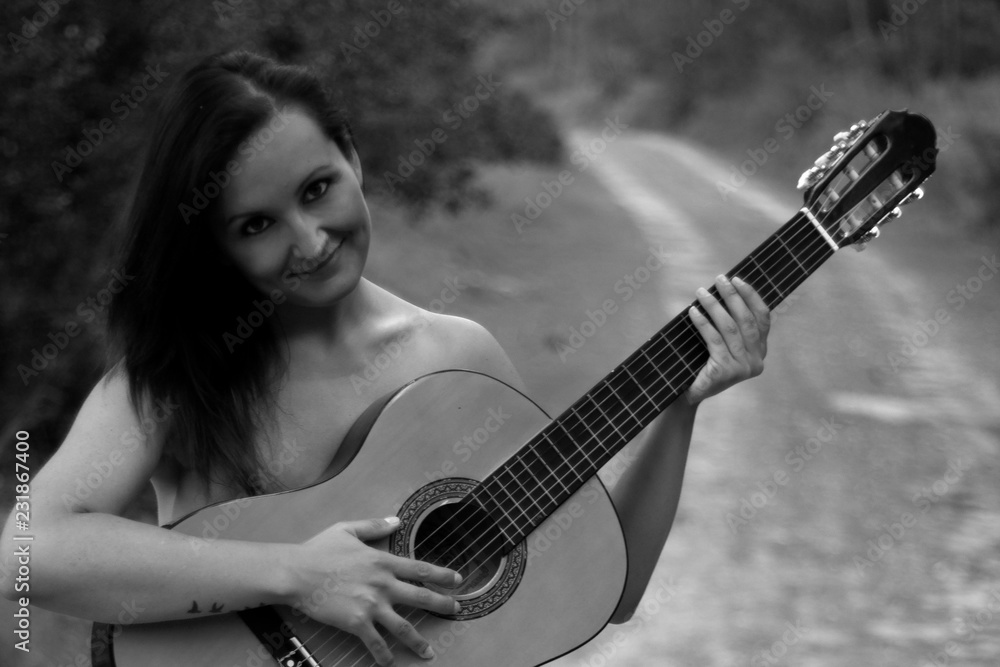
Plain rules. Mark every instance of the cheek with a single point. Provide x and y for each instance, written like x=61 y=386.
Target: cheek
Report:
x=260 y=260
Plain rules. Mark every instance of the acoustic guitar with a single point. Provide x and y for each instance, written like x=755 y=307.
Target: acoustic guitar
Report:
x=480 y=510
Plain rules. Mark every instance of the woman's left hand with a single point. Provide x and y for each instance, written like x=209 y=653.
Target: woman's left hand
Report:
x=736 y=340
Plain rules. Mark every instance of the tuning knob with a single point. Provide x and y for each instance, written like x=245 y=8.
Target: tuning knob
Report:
x=913 y=196
x=862 y=243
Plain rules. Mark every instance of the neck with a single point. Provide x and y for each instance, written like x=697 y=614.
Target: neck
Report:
x=331 y=324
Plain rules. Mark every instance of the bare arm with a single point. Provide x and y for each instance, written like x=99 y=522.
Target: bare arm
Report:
x=90 y=562
x=648 y=492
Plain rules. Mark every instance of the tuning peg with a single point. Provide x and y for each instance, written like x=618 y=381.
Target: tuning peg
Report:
x=895 y=213
x=809 y=178
x=862 y=243
x=913 y=196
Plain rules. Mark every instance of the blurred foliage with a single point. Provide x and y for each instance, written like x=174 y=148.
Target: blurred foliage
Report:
x=70 y=71
x=719 y=71
x=722 y=72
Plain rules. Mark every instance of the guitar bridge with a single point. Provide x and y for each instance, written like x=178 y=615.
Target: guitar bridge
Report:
x=277 y=637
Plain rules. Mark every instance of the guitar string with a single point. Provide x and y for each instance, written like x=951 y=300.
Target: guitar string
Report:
x=648 y=369
x=672 y=391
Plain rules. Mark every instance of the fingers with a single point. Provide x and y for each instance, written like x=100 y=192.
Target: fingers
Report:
x=418 y=570
x=728 y=339
x=762 y=314
x=404 y=631
x=424 y=598
x=743 y=322
x=374 y=642
x=368 y=530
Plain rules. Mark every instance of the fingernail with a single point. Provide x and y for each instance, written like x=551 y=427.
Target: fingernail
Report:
x=702 y=291
x=722 y=278
x=458 y=606
x=738 y=281
x=427 y=653
x=458 y=578
x=392 y=520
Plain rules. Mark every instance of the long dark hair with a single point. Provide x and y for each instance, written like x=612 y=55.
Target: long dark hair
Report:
x=168 y=326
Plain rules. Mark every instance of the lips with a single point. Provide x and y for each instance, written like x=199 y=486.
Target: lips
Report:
x=313 y=265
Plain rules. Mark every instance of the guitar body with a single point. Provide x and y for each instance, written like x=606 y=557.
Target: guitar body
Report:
x=424 y=446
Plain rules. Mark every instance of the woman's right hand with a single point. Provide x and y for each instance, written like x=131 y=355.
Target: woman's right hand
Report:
x=340 y=581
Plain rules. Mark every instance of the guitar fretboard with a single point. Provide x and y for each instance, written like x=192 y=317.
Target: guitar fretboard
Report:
x=559 y=459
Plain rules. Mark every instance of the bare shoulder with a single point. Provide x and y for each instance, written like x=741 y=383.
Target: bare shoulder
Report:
x=468 y=345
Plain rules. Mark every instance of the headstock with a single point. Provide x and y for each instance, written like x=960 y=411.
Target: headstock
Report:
x=869 y=172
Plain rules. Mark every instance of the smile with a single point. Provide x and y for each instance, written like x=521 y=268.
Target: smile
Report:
x=313 y=265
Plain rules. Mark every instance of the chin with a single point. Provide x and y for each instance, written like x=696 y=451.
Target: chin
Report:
x=323 y=294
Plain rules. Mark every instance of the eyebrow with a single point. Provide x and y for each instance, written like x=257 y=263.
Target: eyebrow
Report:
x=298 y=190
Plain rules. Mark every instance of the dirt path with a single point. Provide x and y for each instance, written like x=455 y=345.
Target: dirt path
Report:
x=843 y=508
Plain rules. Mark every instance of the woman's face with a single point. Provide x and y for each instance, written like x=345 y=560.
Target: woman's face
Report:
x=294 y=218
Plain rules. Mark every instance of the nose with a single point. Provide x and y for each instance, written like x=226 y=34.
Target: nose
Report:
x=308 y=237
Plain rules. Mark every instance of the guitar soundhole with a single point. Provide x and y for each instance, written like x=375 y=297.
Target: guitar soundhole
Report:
x=440 y=528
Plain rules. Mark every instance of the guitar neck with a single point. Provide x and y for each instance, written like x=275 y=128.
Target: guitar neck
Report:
x=558 y=460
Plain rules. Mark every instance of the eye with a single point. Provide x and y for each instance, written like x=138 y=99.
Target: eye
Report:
x=256 y=225
x=317 y=189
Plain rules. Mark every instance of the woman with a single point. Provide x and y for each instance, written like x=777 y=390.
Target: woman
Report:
x=244 y=321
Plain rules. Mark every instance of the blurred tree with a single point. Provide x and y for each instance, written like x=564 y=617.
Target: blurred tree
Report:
x=71 y=128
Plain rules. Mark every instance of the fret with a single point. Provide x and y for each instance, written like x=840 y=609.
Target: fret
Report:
x=543 y=484
x=656 y=367
x=653 y=402
x=678 y=354
x=579 y=446
x=768 y=279
x=628 y=398
x=553 y=447
x=541 y=470
x=498 y=504
x=517 y=480
x=515 y=483
x=791 y=253
x=627 y=407
x=600 y=441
